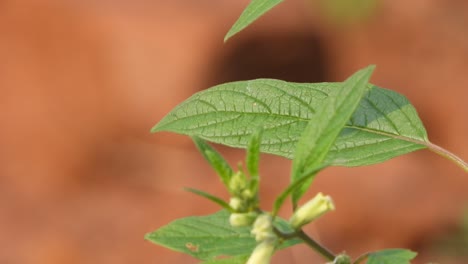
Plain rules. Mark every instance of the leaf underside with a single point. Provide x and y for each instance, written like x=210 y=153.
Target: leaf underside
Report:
x=383 y=126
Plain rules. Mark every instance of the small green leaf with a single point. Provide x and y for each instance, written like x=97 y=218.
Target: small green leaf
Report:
x=209 y=237
x=325 y=125
x=216 y=161
x=385 y=124
x=252 y=12
x=212 y=198
x=391 y=256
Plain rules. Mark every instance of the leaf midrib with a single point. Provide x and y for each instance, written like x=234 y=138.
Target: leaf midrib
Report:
x=300 y=119
x=391 y=135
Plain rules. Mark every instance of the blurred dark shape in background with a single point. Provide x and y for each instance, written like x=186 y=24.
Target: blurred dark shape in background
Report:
x=82 y=82
x=294 y=57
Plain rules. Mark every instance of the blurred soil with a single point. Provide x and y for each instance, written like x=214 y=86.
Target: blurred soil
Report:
x=82 y=82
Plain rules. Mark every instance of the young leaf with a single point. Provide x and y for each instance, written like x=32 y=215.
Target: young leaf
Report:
x=292 y=187
x=252 y=159
x=212 y=198
x=252 y=12
x=325 y=126
x=253 y=153
x=385 y=124
x=208 y=237
x=216 y=161
x=388 y=256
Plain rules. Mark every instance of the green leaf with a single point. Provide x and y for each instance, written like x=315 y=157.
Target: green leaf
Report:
x=391 y=256
x=212 y=198
x=208 y=237
x=253 y=153
x=217 y=162
x=253 y=159
x=384 y=125
x=205 y=237
x=325 y=125
x=233 y=260
x=252 y=12
x=292 y=187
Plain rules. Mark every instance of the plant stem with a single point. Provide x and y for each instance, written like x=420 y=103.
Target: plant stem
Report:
x=324 y=252
x=316 y=246
x=447 y=154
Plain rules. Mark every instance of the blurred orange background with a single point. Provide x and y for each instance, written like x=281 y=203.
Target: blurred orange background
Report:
x=82 y=82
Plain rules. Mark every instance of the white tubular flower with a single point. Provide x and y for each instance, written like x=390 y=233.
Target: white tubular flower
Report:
x=242 y=219
x=263 y=252
x=312 y=210
x=263 y=228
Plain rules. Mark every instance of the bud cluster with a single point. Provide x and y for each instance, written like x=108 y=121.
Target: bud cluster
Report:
x=243 y=201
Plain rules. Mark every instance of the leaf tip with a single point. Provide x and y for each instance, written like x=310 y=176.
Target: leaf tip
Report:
x=155 y=128
x=227 y=37
x=369 y=69
x=148 y=236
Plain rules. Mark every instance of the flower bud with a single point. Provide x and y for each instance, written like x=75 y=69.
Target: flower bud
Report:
x=342 y=259
x=263 y=228
x=263 y=252
x=237 y=183
x=236 y=203
x=242 y=219
x=247 y=194
x=312 y=210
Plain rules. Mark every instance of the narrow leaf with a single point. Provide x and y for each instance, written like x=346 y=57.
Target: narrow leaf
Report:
x=388 y=256
x=292 y=187
x=252 y=12
x=212 y=198
x=217 y=162
x=385 y=124
x=209 y=237
x=253 y=153
x=325 y=126
x=253 y=158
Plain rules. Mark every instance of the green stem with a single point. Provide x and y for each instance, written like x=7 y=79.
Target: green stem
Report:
x=323 y=251
x=361 y=258
x=447 y=154
x=316 y=246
